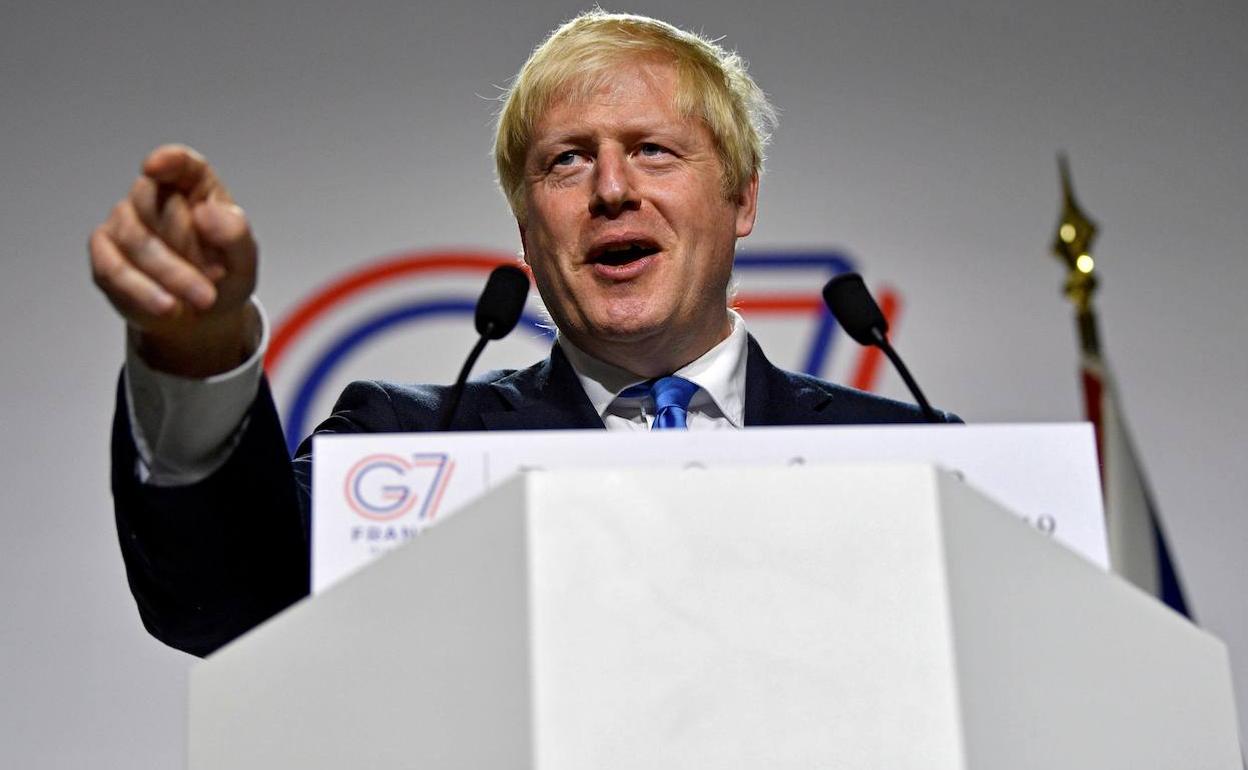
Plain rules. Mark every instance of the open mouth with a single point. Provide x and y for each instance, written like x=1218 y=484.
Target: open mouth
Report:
x=620 y=254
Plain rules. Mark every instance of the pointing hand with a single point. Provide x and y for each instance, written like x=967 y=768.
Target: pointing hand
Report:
x=176 y=258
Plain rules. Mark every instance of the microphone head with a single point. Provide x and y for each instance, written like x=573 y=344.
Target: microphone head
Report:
x=502 y=301
x=847 y=297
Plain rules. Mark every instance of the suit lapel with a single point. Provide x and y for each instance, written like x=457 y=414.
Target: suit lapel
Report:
x=547 y=396
x=773 y=397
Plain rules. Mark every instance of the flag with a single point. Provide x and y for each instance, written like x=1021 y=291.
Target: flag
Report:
x=1137 y=542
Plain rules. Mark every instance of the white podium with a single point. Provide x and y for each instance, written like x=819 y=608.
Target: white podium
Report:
x=815 y=617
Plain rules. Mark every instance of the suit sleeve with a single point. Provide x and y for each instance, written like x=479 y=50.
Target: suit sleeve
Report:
x=208 y=561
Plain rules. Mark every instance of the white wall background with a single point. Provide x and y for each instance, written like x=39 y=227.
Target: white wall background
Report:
x=919 y=136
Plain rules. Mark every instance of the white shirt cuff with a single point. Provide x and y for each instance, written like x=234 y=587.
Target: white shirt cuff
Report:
x=185 y=429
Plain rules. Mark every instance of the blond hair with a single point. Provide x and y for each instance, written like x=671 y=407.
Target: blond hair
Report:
x=711 y=84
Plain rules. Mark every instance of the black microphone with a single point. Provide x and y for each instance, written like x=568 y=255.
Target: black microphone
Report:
x=502 y=301
x=498 y=310
x=847 y=297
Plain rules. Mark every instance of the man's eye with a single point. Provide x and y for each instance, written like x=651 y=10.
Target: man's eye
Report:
x=565 y=158
x=651 y=150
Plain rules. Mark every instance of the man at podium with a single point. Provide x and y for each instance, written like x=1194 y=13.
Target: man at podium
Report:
x=630 y=153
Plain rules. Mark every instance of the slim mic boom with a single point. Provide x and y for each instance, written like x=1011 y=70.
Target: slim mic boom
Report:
x=498 y=311
x=847 y=297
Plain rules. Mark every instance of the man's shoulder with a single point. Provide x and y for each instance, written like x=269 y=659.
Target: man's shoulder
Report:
x=417 y=406
x=545 y=395
x=858 y=405
x=779 y=397
x=433 y=395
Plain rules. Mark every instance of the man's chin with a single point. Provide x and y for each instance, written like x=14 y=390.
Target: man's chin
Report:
x=616 y=334
x=632 y=332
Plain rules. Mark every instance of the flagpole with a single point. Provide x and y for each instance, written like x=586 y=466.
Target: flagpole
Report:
x=1137 y=544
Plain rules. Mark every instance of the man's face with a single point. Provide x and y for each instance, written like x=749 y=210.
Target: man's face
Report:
x=627 y=228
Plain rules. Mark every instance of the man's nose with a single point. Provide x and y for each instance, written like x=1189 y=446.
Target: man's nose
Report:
x=614 y=188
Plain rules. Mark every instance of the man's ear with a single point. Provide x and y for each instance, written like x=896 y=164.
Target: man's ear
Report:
x=524 y=246
x=747 y=207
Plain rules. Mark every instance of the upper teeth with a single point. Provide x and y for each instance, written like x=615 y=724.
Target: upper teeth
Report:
x=621 y=247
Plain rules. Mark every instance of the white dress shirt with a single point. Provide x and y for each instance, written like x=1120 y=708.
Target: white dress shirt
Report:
x=185 y=429
x=719 y=373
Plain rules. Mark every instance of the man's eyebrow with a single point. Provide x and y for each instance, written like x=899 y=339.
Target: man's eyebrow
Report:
x=629 y=132
x=571 y=136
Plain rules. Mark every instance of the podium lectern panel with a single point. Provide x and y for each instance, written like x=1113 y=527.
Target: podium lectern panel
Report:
x=846 y=616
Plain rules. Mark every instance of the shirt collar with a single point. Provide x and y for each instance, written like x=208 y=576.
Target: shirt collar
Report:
x=720 y=372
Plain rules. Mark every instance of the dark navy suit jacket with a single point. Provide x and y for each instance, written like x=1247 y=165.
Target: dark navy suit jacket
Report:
x=210 y=560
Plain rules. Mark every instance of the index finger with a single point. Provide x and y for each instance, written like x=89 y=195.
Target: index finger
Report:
x=187 y=171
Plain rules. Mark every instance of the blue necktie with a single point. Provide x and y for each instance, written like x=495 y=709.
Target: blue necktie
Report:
x=671 y=397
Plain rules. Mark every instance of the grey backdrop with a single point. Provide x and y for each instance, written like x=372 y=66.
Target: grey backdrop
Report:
x=919 y=136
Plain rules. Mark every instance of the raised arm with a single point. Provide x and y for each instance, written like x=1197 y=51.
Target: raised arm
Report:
x=209 y=553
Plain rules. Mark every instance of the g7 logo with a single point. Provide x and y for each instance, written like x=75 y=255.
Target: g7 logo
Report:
x=384 y=487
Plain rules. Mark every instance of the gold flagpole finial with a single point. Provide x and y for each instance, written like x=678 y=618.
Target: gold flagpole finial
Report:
x=1073 y=245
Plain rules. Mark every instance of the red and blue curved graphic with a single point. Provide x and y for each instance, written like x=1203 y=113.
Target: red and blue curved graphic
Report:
x=307 y=314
